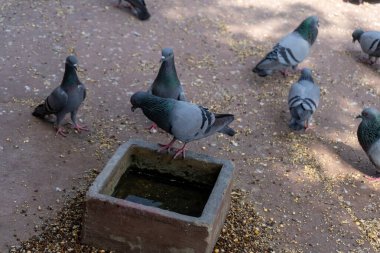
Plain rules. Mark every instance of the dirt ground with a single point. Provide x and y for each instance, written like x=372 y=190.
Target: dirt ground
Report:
x=310 y=184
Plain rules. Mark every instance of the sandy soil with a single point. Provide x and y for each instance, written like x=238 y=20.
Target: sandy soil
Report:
x=310 y=184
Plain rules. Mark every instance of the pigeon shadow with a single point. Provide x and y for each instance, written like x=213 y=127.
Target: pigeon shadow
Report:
x=356 y=158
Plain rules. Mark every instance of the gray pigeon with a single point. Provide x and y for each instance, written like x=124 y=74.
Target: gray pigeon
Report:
x=64 y=99
x=303 y=100
x=369 y=136
x=369 y=42
x=185 y=121
x=167 y=84
x=138 y=7
x=291 y=50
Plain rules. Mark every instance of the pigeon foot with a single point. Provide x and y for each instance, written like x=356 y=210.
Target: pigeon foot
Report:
x=285 y=72
x=61 y=131
x=366 y=61
x=166 y=146
x=375 y=178
x=80 y=128
x=153 y=128
x=180 y=151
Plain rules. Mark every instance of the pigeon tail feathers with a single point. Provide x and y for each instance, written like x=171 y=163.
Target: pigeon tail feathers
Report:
x=227 y=131
x=139 y=8
x=221 y=123
x=40 y=111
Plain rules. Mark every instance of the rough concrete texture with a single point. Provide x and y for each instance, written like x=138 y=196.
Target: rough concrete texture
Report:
x=125 y=226
x=311 y=184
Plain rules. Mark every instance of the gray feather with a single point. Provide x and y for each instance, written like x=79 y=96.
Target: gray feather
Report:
x=303 y=100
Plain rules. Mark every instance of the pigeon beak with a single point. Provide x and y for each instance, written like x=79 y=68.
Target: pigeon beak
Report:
x=162 y=59
x=133 y=108
x=75 y=66
x=359 y=117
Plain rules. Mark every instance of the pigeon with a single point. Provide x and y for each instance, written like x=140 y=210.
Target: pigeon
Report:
x=303 y=100
x=167 y=84
x=184 y=120
x=369 y=136
x=64 y=99
x=291 y=50
x=369 y=42
x=138 y=8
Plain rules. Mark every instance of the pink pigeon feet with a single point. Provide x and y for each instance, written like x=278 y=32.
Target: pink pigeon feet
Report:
x=80 y=128
x=308 y=127
x=153 y=128
x=286 y=72
x=180 y=151
x=61 y=131
x=166 y=146
x=366 y=61
x=375 y=178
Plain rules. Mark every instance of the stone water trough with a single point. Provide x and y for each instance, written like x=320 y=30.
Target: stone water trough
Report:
x=144 y=201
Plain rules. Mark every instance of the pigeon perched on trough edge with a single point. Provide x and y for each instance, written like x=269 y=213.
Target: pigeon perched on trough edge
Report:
x=303 y=100
x=64 y=99
x=185 y=121
x=369 y=136
x=369 y=42
x=138 y=7
x=291 y=50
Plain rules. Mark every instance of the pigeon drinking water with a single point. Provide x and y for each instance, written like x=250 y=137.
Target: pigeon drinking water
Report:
x=369 y=136
x=303 y=100
x=369 y=42
x=291 y=50
x=185 y=121
x=64 y=99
